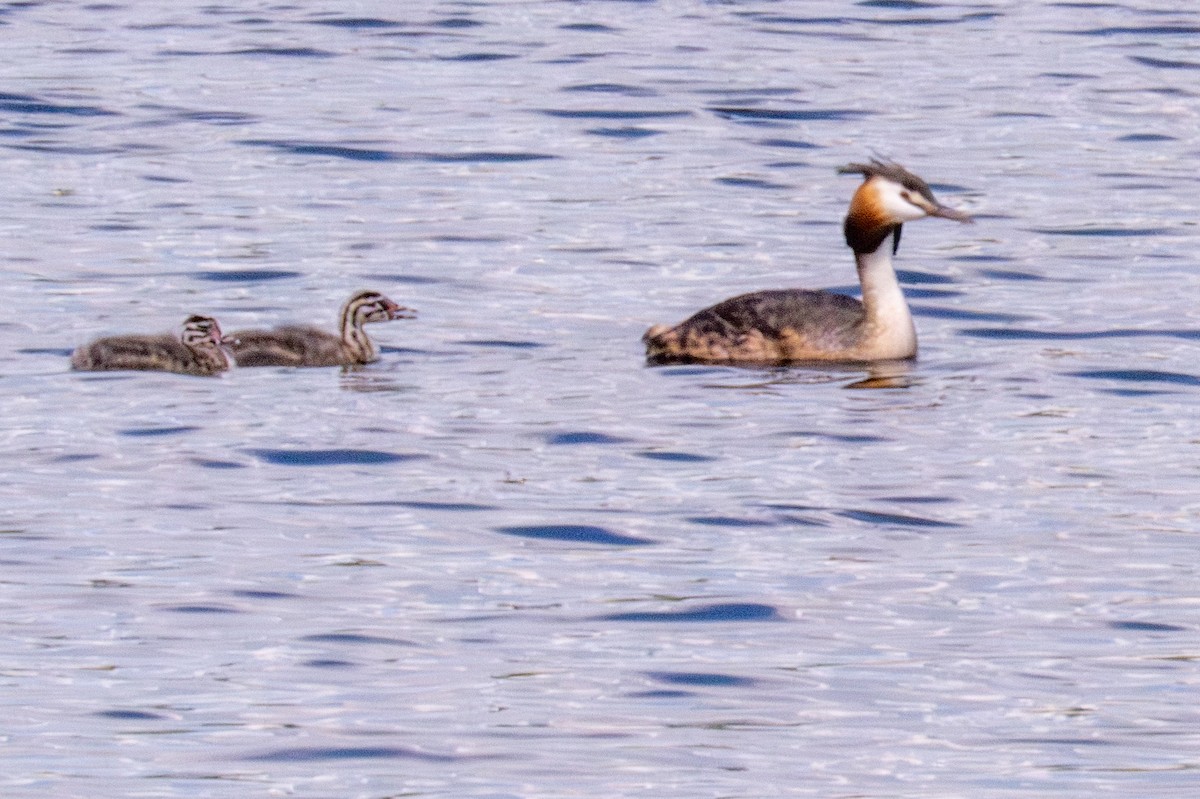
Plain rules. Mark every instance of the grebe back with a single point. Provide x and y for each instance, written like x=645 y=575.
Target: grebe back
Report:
x=800 y=325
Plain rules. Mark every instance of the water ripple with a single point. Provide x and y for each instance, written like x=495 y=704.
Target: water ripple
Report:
x=575 y=533
x=1140 y=376
x=358 y=153
x=719 y=612
x=898 y=519
x=1017 y=334
x=27 y=104
x=355 y=638
x=1162 y=63
x=331 y=457
x=584 y=437
x=146 y=432
x=244 y=275
x=308 y=754
x=129 y=715
x=789 y=115
x=1147 y=626
x=705 y=679
x=358 y=23
x=1115 y=232
x=676 y=457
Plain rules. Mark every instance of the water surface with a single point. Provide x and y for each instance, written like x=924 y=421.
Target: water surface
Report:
x=510 y=559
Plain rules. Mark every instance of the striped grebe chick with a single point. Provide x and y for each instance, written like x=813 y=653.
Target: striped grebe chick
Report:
x=799 y=325
x=301 y=345
x=199 y=349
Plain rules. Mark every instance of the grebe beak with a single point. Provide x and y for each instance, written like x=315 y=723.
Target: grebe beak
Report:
x=400 y=312
x=950 y=213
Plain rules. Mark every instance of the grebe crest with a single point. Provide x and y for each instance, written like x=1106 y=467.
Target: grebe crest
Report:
x=790 y=325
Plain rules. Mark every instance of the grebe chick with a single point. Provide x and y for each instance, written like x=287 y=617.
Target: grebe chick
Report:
x=301 y=345
x=198 y=350
x=798 y=325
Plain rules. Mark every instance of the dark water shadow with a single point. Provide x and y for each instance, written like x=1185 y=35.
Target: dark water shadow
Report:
x=1164 y=63
x=332 y=457
x=355 y=638
x=729 y=521
x=201 y=609
x=574 y=533
x=1147 y=627
x=244 y=275
x=150 y=432
x=718 y=612
x=575 y=437
x=252 y=593
x=500 y=344
x=702 y=679
x=129 y=715
x=358 y=23
x=313 y=754
x=759 y=115
x=676 y=457
x=1105 y=232
x=373 y=154
x=1025 y=334
x=1139 y=376
x=610 y=114
x=894 y=519
x=63 y=352
x=963 y=314
x=210 y=463
x=30 y=104
x=625 y=132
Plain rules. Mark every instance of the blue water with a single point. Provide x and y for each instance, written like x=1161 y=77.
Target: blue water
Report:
x=510 y=559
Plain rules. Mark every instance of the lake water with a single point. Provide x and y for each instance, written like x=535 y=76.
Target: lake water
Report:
x=512 y=560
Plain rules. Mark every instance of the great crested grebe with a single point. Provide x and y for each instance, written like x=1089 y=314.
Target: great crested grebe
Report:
x=798 y=325
x=300 y=345
x=198 y=350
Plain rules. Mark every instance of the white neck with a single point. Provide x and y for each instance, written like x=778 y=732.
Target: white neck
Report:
x=889 y=322
x=355 y=339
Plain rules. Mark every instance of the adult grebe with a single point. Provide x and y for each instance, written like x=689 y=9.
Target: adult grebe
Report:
x=300 y=345
x=198 y=350
x=799 y=325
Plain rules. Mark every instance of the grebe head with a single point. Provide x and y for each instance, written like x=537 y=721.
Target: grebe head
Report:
x=371 y=306
x=201 y=331
x=889 y=197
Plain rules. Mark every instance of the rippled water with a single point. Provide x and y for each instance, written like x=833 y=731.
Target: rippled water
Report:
x=510 y=559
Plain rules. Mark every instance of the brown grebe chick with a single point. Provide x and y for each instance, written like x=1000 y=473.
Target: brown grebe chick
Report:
x=798 y=325
x=198 y=350
x=300 y=345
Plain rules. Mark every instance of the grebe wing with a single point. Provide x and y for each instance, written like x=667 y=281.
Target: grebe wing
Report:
x=772 y=313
